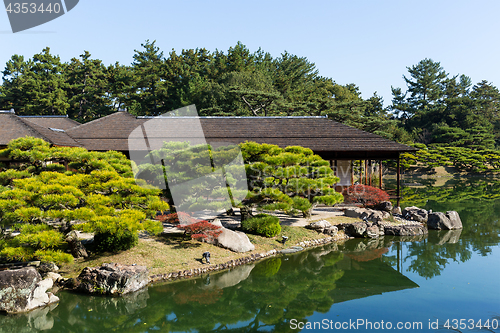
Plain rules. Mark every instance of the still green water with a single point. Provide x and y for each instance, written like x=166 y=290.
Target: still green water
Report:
x=443 y=281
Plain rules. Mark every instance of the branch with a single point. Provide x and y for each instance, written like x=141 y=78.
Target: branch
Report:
x=251 y=109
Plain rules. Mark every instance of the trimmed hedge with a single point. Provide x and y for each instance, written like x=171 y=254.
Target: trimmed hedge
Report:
x=263 y=225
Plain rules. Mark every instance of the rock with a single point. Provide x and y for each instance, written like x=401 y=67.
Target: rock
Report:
x=76 y=247
x=22 y=290
x=397 y=210
x=405 y=230
x=367 y=214
x=440 y=221
x=112 y=279
x=235 y=241
x=319 y=226
x=373 y=231
x=455 y=220
x=355 y=229
x=415 y=214
x=375 y=216
x=355 y=212
x=331 y=231
x=46 y=267
x=53 y=276
x=385 y=206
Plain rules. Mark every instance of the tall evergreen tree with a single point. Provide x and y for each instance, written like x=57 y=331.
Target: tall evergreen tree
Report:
x=425 y=84
x=87 y=88
x=150 y=86
x=11 y=93
x=45 y=86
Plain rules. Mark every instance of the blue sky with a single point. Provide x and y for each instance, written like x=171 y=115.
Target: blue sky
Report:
x=369 y=43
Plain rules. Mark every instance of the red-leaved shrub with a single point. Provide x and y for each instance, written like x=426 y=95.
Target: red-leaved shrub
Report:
x=174 y=218
x=202 y=231
x=365 y=195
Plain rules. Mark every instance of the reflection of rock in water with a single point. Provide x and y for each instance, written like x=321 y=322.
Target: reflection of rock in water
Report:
x=34 y=321
x=445 y=236
x=79 y=306
x=230 y=278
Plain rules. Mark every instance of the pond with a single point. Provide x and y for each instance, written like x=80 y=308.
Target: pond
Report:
x=443 y=281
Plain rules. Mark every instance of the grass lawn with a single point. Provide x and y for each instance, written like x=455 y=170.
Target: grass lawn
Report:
x=174 y=252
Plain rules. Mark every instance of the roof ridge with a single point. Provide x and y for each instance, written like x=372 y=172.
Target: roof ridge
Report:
x=94 y=121
x=33 y=127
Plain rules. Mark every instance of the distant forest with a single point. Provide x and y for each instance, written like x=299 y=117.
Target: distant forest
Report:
x=434 y=108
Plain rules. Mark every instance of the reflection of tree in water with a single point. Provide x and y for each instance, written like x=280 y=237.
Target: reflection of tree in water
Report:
x=275 y=291
x=478 y=203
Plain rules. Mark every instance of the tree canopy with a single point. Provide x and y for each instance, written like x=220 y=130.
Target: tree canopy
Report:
x=46 y=186
x=434 y=108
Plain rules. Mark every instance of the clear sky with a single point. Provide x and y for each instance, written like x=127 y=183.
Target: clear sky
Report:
x=369 y=43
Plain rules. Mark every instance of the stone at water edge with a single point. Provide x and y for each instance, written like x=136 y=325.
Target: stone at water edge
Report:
x=374 y=231
x=331 y=231
x=455 y=220
x=23 y=289
x=112 y=279
x=405 y=230
x=415 y=214
x=397 y=210
x=355 y=229
x=441 y=221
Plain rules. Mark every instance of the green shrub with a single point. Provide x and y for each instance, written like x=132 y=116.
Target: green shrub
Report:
x=58 y=257
x=262 y=224
x=303 y=205
x=115 y=242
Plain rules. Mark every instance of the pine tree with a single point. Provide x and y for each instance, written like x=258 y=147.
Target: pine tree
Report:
x=150 y=86
x=87 y=86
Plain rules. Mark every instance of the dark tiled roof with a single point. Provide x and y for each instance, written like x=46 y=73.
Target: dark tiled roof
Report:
x=13 y=127
x=60 y=122
x=320 y=134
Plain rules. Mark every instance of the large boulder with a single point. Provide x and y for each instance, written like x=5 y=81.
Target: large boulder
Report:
x=455 y=220
x=355 y=229
x=415 y=214
x=405 y=230
x=319 y=226
x=23 y=289
x=233 y=240
x=442 y=221
x=112 y=279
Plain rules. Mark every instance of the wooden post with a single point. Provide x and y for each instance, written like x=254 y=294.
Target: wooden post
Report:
x=397 y=181
x=370 y=172
x=366 y=172
x=380 y=174
x=360 y=171
x=352 y=173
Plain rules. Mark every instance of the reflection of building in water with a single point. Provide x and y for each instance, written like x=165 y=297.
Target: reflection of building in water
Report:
x=363 y=278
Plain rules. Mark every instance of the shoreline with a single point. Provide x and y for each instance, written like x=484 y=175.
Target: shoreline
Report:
x=254 y=257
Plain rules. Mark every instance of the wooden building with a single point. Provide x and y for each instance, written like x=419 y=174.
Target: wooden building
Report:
x=342 y=145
